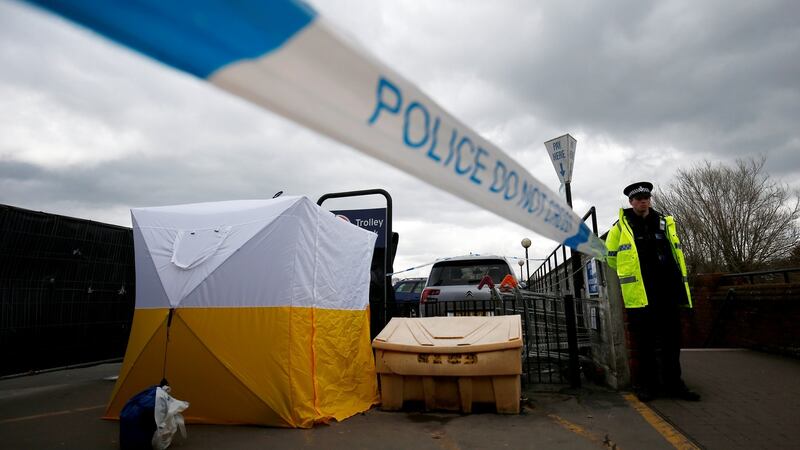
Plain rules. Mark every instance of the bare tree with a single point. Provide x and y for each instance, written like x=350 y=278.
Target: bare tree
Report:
x=732 y=218
x=794 y=257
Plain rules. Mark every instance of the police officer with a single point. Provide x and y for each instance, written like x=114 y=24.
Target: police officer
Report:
x=644 y=248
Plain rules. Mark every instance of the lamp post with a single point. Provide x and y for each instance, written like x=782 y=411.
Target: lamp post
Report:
x=521 y=263
x=526 y=243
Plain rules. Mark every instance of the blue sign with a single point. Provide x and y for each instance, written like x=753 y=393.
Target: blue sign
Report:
x=592 y=285
x=369 y=219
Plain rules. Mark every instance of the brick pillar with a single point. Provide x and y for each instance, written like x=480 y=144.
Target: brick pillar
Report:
x=630 y=345
x=619 y=375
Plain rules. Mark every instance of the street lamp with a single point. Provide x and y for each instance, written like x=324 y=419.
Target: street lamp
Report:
x=521 y=263
x=526 y=243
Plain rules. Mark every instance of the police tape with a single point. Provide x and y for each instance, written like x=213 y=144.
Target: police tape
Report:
x=445 y=259
x=283 y=57
x=418 y=267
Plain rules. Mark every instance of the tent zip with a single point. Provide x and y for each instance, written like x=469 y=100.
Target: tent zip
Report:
x=166 y=346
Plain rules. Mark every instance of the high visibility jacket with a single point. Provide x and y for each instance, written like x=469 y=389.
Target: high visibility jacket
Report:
x=624 y=258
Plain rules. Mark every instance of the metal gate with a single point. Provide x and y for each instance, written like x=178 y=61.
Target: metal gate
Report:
x=545 y=355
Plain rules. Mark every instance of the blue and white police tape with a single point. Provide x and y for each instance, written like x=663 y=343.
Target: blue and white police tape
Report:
x=419 y=267
x=281 y=55
x=445 y=259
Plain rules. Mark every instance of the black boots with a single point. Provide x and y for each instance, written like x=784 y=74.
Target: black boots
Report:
x=644 y=394
x=680 y=391
x=683 y=393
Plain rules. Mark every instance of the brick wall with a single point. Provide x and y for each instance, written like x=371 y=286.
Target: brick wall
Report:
x=762 y=316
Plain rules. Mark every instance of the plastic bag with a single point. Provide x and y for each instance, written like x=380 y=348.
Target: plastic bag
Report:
x=168 y=418
x=136 y=424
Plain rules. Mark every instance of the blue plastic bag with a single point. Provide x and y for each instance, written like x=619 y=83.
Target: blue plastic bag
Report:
x=137 y=421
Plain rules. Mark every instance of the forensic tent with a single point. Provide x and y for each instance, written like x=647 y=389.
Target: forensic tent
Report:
x=254 y=311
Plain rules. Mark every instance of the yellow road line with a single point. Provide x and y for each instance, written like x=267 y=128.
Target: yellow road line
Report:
x=673 y=436
x=580 y=431
x=51 y=414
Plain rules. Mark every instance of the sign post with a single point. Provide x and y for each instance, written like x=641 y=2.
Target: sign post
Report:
x=385 y=246
x=562 y=153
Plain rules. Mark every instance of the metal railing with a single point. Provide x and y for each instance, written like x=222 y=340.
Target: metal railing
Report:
x=545 y=354
x=553 y=275
x=766 y=276
x=565 y=278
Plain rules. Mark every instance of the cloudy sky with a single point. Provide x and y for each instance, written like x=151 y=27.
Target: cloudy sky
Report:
x=90 y=129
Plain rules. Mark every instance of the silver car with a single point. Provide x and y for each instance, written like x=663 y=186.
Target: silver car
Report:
x=453 y=285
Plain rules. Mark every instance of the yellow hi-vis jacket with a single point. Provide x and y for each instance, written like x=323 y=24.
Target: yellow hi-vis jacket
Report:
x=624 y=258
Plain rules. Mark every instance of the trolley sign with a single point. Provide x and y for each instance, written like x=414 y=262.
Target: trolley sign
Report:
x=562 y=153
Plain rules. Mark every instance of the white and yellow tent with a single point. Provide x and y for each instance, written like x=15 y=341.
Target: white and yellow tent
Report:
x=255 y=311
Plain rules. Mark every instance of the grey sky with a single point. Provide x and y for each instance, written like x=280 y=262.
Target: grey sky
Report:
x=90 y=129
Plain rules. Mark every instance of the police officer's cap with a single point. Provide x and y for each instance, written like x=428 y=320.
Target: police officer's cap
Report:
x=639 y=188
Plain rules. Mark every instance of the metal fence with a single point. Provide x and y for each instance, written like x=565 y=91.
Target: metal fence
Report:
x=66 y=290
x=545 y=355
x=785 y=275
x=565 y=275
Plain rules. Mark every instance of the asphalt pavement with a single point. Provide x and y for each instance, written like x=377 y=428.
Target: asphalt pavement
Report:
x=751 y=400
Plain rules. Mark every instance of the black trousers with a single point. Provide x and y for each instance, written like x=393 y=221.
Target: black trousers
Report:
x=655 y=339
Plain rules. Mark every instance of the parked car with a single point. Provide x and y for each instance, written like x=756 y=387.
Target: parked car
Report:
x=457 y=279
x=406 y=296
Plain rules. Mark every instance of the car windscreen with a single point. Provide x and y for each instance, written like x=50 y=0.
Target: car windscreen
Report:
x=404 y=286
x=455 y=273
